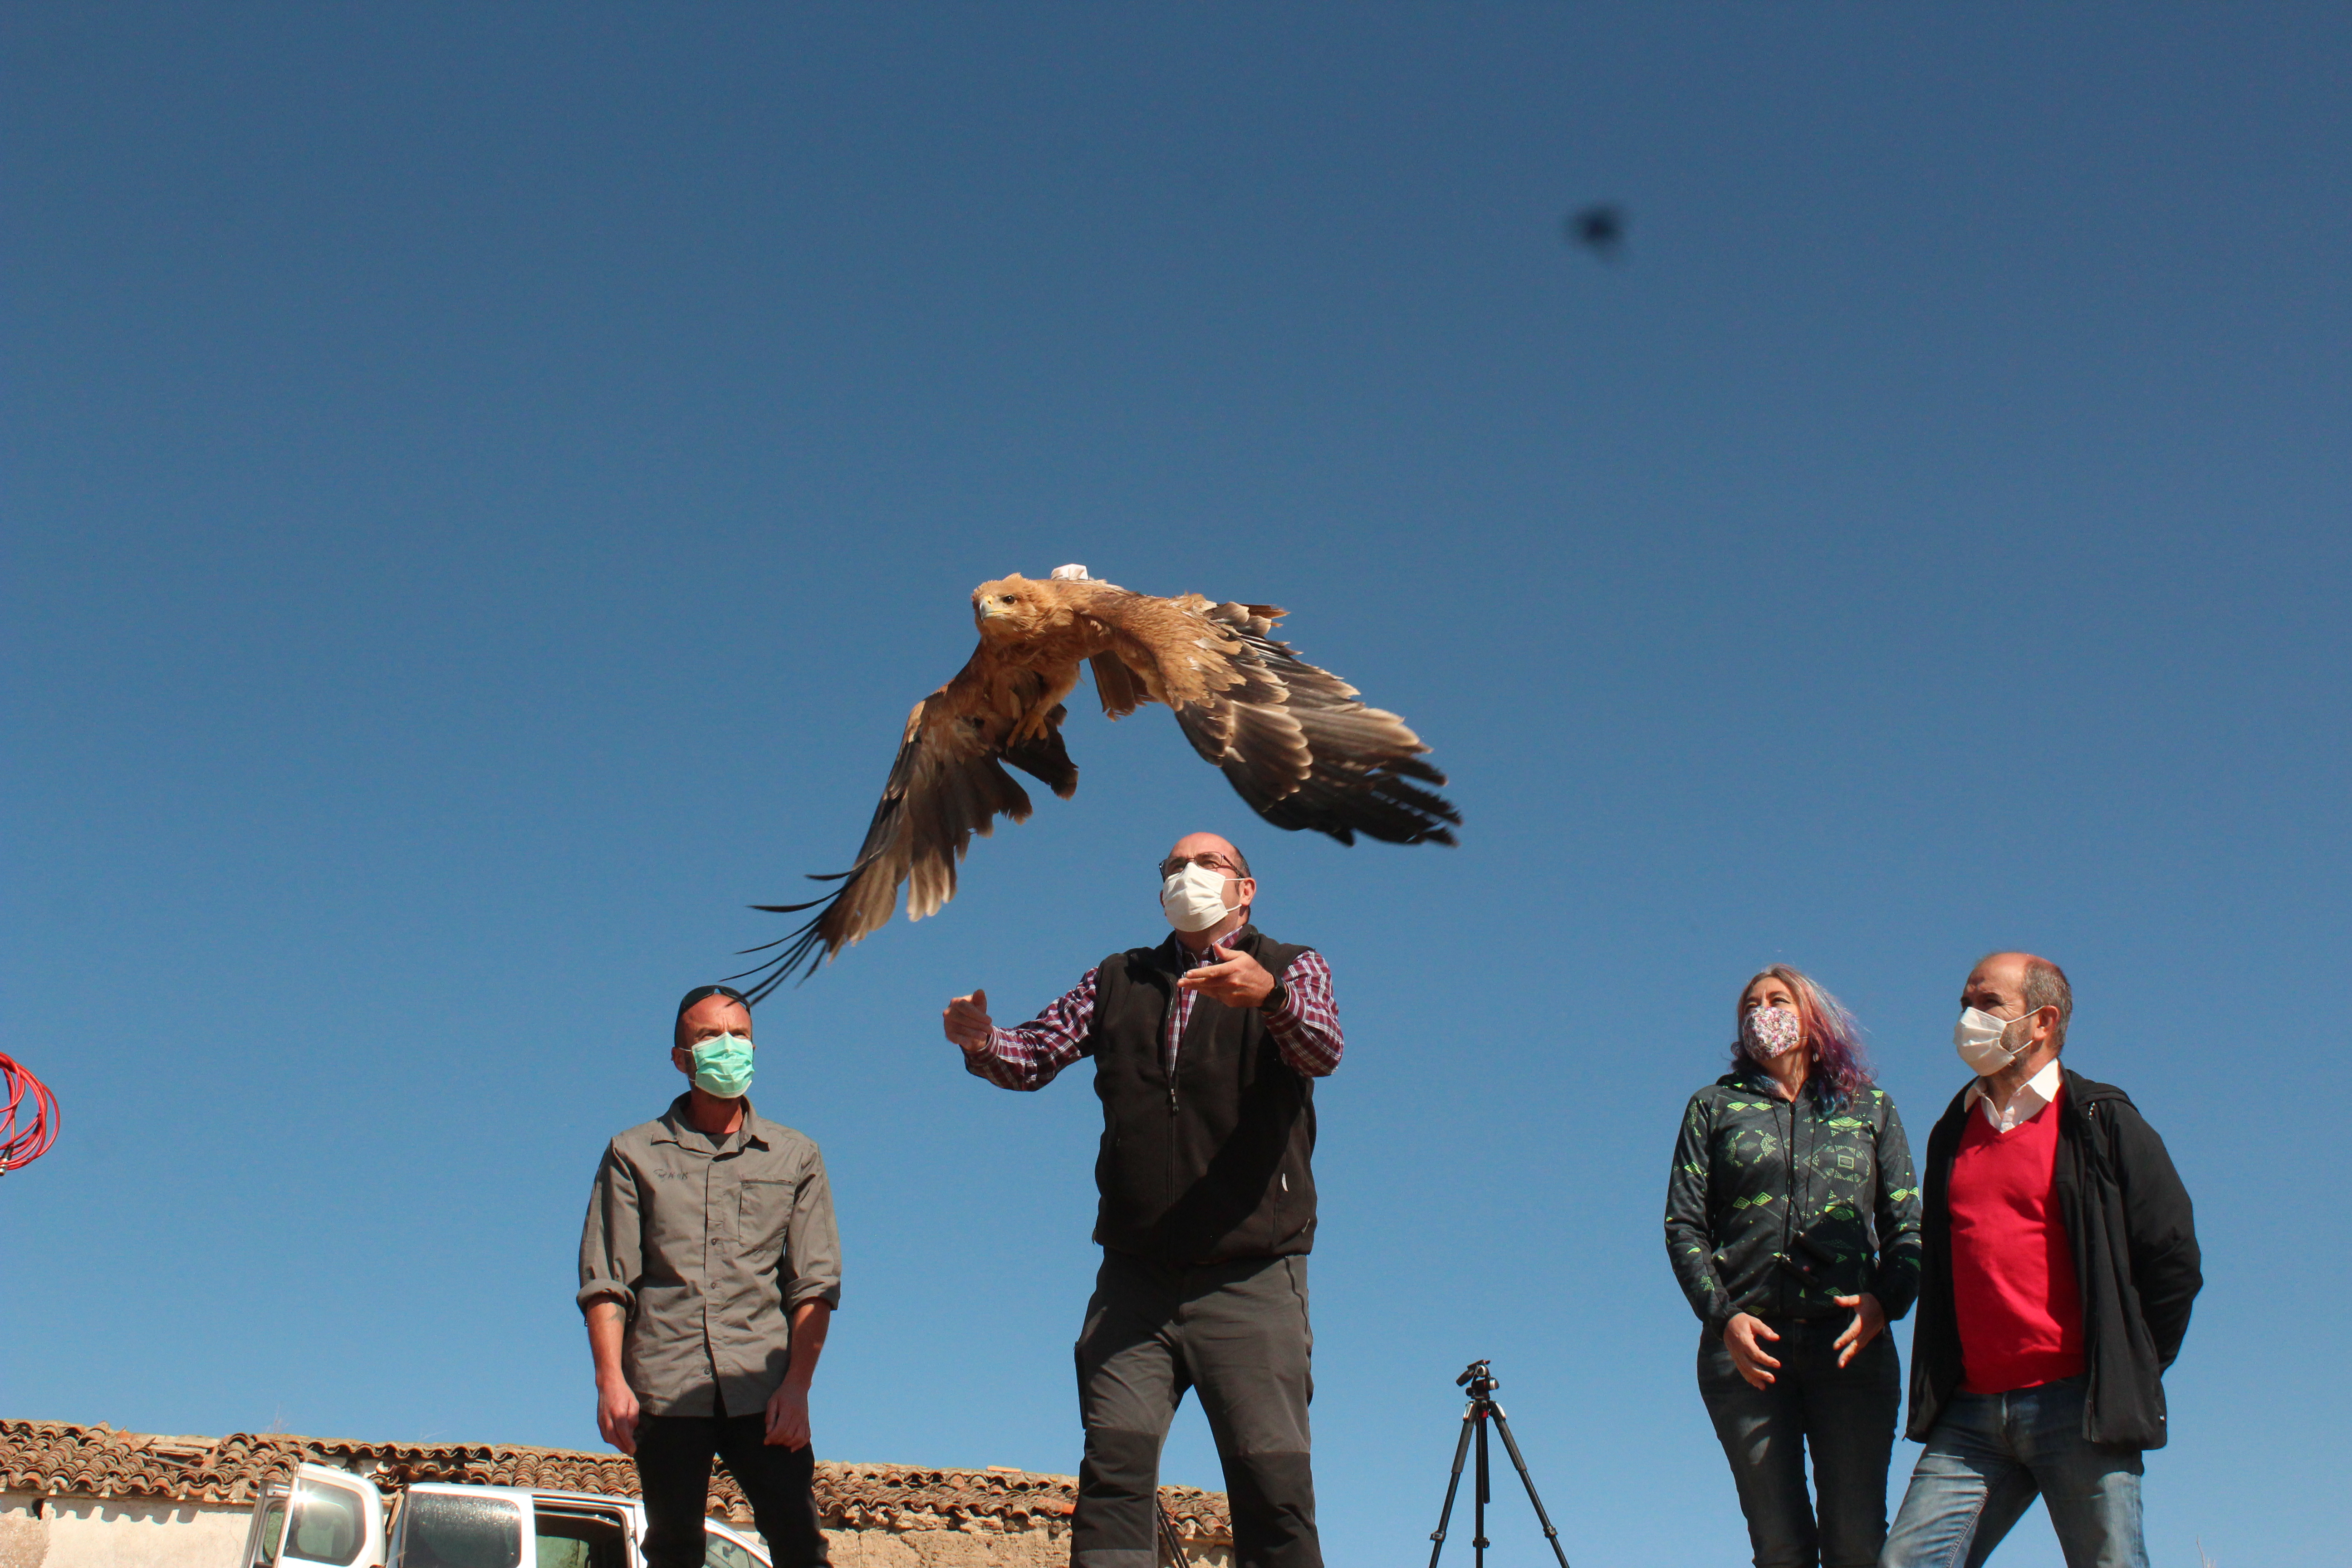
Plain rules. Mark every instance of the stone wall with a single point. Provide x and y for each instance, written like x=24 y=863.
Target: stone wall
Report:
x=117 y=1532
x=120 y=1532
x=23 y=1537
x=968 y=1547
x=96 y=1496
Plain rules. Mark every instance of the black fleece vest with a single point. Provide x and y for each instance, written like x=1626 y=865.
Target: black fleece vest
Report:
x=1215 y=1165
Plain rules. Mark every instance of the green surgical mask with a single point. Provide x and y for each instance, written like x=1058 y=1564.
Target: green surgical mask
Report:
x=723 y=1066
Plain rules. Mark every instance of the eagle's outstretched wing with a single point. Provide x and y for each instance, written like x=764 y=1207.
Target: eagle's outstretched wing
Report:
x=947 y=784
x=1294 y=741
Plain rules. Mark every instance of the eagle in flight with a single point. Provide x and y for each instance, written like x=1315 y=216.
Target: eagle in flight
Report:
x=1294 y=741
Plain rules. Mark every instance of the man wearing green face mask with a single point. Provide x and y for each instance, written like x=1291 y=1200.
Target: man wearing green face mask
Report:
x=710 y=1267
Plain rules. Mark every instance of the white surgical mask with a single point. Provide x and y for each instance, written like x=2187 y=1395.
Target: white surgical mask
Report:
x=1193 y=898
x=1981 y=1040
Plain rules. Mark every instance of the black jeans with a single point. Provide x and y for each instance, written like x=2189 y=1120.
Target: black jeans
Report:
x=1845 y=1415
x=1236 y=1332
x=674 y=1455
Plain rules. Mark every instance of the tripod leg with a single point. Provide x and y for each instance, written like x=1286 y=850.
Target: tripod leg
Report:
x=1171 y=1545
x=1452 y=1484
x=1478 y=1542
x=1511 y=1444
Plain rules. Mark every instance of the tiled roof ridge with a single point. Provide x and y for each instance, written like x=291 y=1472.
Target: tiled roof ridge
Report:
x=101 y=1460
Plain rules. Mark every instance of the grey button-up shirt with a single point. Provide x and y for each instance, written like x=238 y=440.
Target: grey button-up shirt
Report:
x=709 y=1244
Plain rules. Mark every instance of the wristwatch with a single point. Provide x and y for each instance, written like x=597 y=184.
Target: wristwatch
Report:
x=1273 y=999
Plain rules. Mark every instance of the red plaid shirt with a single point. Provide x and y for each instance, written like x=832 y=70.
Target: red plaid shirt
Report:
x=1306 y=1028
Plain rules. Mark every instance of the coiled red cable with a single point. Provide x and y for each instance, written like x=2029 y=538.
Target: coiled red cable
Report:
x=23 y=1144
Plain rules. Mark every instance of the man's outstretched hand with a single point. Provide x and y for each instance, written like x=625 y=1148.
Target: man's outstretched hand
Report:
x=968 y=1024
x=1235 y=979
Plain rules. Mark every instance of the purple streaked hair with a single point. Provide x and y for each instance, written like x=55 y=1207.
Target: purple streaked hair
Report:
x=1840 y=1069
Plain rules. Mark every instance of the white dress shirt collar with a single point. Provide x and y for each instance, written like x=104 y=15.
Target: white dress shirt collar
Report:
x=2037 y=1091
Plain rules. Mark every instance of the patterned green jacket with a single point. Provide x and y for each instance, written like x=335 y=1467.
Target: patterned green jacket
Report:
x=1776 y=1209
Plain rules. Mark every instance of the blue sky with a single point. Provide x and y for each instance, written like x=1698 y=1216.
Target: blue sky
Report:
x=482 y=487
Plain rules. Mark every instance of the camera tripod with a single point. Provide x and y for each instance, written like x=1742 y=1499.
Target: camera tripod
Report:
x=1481 y=1381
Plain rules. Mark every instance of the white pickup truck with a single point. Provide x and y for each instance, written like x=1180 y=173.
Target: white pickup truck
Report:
x=327 y=1518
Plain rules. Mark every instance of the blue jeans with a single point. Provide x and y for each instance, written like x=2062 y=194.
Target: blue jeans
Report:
x=1984 y=1462
x=1844 y=1414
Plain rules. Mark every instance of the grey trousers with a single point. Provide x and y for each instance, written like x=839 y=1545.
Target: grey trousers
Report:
x=1238 y=1333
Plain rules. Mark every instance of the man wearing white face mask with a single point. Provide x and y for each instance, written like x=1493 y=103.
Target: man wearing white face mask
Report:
x=710 y=1267
x=2060 y=1265
x=1206 y=1048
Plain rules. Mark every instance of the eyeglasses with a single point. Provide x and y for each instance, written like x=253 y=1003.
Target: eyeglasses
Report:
x=1175 y=863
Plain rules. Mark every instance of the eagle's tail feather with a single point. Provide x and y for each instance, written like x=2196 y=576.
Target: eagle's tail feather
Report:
x=806 y=941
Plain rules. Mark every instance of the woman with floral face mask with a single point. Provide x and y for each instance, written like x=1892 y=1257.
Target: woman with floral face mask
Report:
x=1793 y=1222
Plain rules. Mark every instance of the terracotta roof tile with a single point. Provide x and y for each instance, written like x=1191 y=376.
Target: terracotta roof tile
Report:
x=56 y=1457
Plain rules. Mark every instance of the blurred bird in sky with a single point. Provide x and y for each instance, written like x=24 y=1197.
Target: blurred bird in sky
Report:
x=1599 y=228
x=1295 y=741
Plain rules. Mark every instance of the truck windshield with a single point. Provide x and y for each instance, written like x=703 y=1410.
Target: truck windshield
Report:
x=438 y=1530
x=330 y=1524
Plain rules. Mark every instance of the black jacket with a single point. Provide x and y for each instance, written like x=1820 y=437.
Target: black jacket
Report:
x=1777 y=1209
x=1216 y=1164
x=2136 y=1262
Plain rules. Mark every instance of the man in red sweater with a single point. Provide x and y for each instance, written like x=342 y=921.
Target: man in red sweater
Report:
x=2061 y=1261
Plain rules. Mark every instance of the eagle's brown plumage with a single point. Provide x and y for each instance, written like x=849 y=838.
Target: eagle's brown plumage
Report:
x=1294 y=741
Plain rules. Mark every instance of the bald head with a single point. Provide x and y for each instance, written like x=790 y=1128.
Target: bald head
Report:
x=1194 y=845
x=709 y=1018
x=2012 y=985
